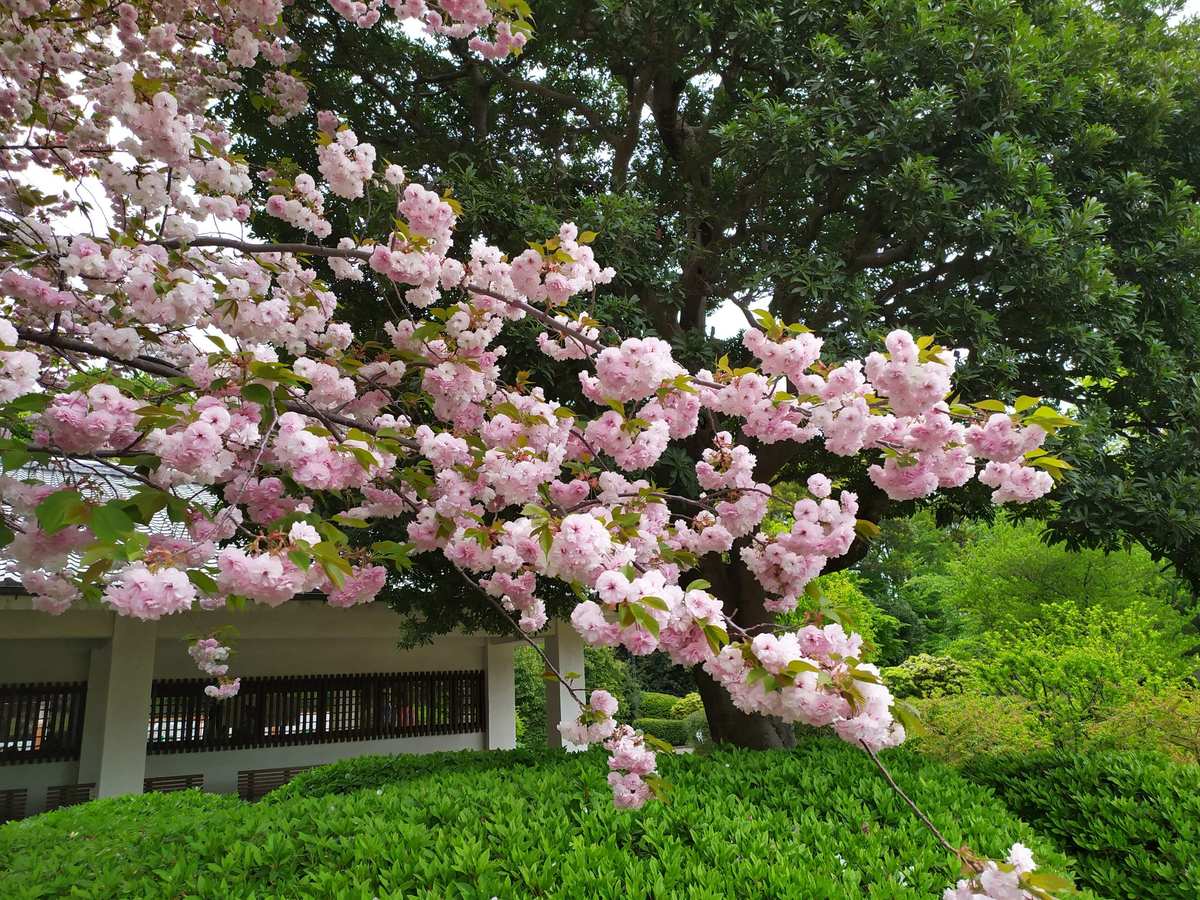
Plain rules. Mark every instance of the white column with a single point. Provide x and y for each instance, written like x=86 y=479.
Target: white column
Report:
x=564 y=649
x=501 y=697
x=94 y=712
x=115 y=742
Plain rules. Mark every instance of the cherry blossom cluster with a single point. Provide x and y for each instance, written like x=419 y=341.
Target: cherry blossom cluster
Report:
x=813 y=676
x=210 y=656
x=998 y=881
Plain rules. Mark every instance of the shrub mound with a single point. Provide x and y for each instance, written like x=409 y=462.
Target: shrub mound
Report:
x=656 y=706
x=365 y=772
x=1130 y=819
x=673 y=731
x=813 y=823
x=691 y=703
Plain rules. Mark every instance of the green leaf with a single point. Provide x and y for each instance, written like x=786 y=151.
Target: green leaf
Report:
x=60 y=509
x=657 y=743
x=990 y=406
x=698 y=585
x=110 y=523
x=258 y=393
x=1024 y=402
x=203 y=581
x=643 y=618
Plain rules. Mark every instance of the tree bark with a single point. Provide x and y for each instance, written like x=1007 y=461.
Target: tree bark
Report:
x=742 y=597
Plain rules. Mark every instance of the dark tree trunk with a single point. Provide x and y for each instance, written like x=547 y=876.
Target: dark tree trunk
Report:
x=742 y=597
x=729 y=725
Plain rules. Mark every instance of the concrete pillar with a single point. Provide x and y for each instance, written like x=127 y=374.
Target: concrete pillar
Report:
x=501 y=697
x=118 y=710
x=94 y=712
x=564 y=649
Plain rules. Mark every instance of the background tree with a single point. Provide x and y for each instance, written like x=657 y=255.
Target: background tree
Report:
x=1019 y=176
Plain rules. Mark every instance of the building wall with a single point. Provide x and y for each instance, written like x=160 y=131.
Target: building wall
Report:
x=300 y=638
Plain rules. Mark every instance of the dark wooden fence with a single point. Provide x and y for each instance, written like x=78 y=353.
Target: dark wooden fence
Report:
x=314 y=709
x=41 y=722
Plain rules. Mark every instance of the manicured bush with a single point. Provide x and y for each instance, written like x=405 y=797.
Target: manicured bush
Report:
x=1131 y=819
x=924 y=675
x=817 y=823
x=689 y=704
x=673 y=731
x=657 y=706
x=368 y=772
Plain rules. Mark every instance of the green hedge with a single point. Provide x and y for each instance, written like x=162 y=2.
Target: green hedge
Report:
x=1130 y=819
x=687 y=705
x=656 y=706
x=817 y=823
x=673 y=731
x=365 y=772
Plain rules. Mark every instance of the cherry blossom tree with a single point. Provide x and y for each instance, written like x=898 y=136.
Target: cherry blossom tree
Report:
x=149 y=341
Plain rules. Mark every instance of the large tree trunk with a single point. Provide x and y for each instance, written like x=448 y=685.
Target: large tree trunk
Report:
x=742 y=597
x=729 y=725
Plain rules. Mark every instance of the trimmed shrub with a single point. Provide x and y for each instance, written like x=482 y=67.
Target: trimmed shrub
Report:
x=657 y=706
x=673 y=731
x=1129 y=818
x=924 y=675
x=817 y=823
x=685 y=707
x=370 y=772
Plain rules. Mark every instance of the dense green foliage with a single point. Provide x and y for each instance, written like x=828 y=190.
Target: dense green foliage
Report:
x=1164 y=720
x=1004 y=574
x=816 y=823
x=1131 y=820
x=927 y=676
x=673 y=731
x=363 y=772
x=959 y=727
x=602 y=669
x=687 y=705
x=1075 y=664
x=656 y=705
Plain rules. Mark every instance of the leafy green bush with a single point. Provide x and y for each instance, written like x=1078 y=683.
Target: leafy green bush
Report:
x=657 y=706
x=961 y=726
x=924 y=675
x=1077 y=664
x=818 y=823
x=673 y=731
x=1167 y=721
x=689 y=704
x=1131 y=819
x=364 y=772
